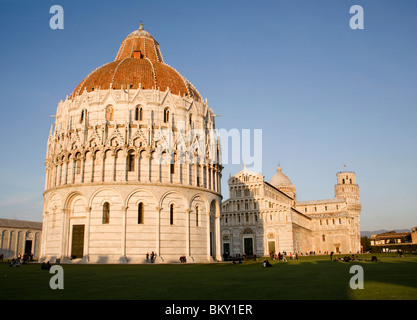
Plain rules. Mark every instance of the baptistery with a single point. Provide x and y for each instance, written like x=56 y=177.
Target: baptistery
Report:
x=133 y=166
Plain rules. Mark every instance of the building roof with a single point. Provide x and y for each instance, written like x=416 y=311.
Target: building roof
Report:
x=394 y=235
x=138 y=62
x=10 y=223
x=312 y=202
x=280 y=180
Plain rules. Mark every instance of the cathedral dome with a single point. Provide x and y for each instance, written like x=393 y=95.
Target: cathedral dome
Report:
x=139 y=62
x=280 y=180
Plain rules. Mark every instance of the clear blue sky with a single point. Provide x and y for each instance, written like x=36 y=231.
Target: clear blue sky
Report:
x=323 y=94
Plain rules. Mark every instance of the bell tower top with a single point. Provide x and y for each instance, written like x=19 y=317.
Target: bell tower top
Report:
x=346 y=177
x=346 y=187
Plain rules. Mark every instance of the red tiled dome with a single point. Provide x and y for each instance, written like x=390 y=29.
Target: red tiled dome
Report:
x=139 y=61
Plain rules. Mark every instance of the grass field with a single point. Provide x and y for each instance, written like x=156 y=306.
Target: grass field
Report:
x=313 y=277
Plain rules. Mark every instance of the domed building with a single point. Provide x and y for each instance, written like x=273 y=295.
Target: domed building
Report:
x=283 y=183
x=133 y=165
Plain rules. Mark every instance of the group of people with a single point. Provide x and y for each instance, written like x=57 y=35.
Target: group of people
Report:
x=45 y=266
x=345 y=258
x=150 y=257
x=19 y=260
x=283 y=256
x=183 y=259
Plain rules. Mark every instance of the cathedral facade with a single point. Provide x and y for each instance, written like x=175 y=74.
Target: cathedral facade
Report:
x=133 y=165
x=261 y=217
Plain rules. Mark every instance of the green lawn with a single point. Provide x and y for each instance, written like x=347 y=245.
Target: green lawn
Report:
x=314 y=277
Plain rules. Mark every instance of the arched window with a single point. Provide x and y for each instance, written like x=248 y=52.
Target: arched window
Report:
x=172 y=164
x=343 y=181
x=140 y=213
x=190 y=120
x=171 y=214
x=138 y=113
x=83 y=115
x=323 y=237
x=106 y=213
x=78 y=164
x=196 y=217
x=131 y=161
x=166 y=115
x=350 y=181
x=109 y=113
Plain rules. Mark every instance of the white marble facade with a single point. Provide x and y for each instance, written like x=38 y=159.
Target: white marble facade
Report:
x=260 y=217
x=127 y=170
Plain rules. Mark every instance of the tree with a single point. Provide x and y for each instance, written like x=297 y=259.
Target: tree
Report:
x=366 y=243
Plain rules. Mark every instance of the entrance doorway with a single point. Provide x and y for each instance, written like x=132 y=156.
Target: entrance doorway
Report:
x=28 y=246
x=77 y=248
x=271 y=247
x=226 y=248
x=248 y=246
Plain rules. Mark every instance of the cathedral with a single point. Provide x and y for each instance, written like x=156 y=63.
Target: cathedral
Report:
x=263 y=217
x=130 y=169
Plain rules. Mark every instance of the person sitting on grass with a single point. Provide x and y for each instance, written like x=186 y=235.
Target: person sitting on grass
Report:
x=266 y=264
x=14 y=263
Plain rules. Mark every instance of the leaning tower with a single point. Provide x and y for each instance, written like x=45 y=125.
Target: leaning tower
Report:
x=347 y=189
x=132 y=165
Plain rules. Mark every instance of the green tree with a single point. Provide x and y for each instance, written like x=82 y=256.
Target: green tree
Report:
x=366 y=243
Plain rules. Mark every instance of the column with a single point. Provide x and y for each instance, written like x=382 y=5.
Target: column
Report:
x=87 y=235
x=44 y=237
x=93 y=168
x=207 y=176
x=149 y=156
x=1 y=240
x=82 y=167
x=188 y=173
x=60 y=172
x=214 y=179
x=126 y=166
x=17 y=243
x=66 y=171
x=187 y=232
x=123 y=254
x=139 y=163
x=55 y=174
x=114 y=165
x=64 y=219
x=208 y=236
x=73 y=170
x=103 y=166
x=158 y=231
